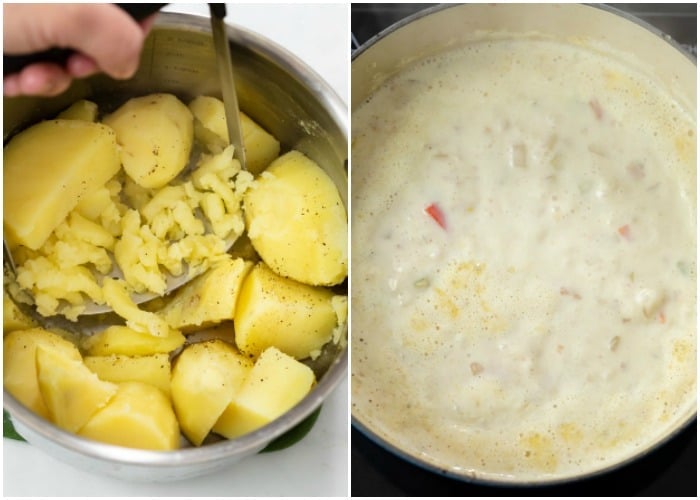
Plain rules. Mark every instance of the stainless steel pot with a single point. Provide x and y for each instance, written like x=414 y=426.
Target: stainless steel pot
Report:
x=444 y=27
x=288 y=99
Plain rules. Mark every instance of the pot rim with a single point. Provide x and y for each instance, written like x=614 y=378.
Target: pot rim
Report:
x=474 y=478
x=604 y=7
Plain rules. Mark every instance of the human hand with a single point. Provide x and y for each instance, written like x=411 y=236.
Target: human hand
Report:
x=103 y=36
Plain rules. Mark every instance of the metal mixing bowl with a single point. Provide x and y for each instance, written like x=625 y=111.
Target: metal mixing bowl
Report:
x=284 y=96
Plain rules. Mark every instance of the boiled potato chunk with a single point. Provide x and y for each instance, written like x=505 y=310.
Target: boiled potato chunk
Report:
x=156 y=135
x=210 y=122
x=47 y=169
x=72 y=393
x=210 y=129
x=119 y=339
x=276 y=383
x=209 y=298
x=138 y=416
x=19 y=364
x=297 y=319
x=205 y=378
x=80 y=110
x=153 y=370
x=261 y=147
x=297 y=222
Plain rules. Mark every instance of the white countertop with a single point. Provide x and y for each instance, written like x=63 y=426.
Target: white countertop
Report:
x=316 y=466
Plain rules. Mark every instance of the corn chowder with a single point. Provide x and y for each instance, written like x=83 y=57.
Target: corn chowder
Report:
x=523 y=261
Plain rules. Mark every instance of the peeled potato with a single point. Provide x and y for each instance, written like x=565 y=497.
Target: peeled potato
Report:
x=72 y=393
x=138 y=416
x=152 y=370
x=124 y=340
x=80 y=110
x=295 y=318
x=275 y=384
x=209 y=299
x=155 y=133
x=297 y=222
x=124 y=391
x=47 y=168
x=19 y=364
x=210 y=129
x=204 y=380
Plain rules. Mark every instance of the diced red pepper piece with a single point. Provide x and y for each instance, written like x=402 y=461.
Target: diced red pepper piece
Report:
x=596 y=108
x=624 y=231
x=434 y=211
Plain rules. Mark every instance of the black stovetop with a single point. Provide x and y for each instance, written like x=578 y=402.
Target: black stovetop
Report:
x=671 y=470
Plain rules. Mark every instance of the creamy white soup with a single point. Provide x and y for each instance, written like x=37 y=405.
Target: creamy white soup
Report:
x=523 y=261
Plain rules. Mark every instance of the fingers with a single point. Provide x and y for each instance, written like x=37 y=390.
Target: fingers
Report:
x=104 y=37
x=81 y=66
x=147 y=23
x=104 y=33
x=45 y=79
x=10 y=86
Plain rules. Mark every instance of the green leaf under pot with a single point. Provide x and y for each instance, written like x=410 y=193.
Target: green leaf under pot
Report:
x=8 y=429
x=294 y=435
